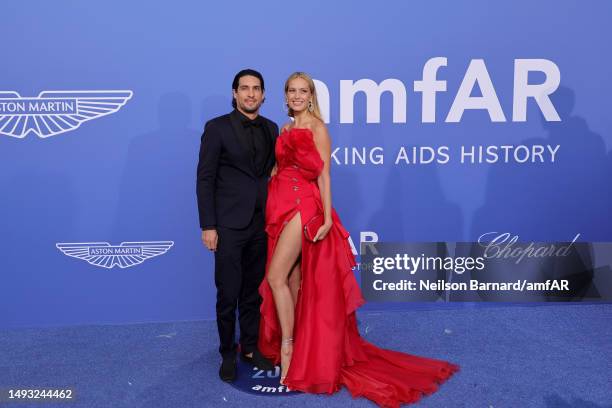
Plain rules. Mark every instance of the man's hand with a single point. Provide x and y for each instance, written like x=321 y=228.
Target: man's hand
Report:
x=210 y=239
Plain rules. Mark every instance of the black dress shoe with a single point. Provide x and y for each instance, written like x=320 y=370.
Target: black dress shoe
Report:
x=227 y=371
x=257 y=360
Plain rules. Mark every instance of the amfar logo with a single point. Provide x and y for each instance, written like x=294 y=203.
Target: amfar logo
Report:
x=476 y=76
x=105 y=255
x=252 y=380
x=55 y=112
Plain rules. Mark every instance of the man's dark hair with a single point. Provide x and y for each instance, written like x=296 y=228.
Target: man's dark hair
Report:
x=242 y=73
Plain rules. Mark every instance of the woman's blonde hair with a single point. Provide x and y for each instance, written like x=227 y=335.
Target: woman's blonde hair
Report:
x=315 y=102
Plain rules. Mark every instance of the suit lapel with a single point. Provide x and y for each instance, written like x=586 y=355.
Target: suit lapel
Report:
x=272 y=131
x=272 y=135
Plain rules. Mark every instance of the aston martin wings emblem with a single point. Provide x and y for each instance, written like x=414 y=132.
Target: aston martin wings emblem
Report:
x=106 y=255
x=55 y=112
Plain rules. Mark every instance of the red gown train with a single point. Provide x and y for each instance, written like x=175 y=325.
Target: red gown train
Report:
x=328 y=351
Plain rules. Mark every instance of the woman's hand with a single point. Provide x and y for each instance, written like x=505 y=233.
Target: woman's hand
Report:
x=322 y=232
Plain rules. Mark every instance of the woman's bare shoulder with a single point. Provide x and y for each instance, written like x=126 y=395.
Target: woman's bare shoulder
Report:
x=319 y=129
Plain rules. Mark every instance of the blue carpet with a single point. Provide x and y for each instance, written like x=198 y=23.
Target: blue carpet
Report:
x=510 y=356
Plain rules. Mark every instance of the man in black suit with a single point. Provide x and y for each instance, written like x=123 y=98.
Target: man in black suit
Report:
x=236 y=158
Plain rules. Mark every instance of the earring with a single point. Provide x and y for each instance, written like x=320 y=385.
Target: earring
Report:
x=310 y=107
x=286 y=107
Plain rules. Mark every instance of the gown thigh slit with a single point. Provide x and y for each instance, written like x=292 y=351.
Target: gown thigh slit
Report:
x=328 y=351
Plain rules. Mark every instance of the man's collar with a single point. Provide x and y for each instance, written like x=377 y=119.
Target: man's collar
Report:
x=245 y=118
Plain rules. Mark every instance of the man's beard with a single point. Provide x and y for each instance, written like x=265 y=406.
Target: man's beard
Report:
x=251 y=110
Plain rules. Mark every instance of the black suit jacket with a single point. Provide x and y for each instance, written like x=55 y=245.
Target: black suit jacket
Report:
x=227 y=185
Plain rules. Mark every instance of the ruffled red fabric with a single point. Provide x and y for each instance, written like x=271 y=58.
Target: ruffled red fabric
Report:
x=297 y=147
x=328 y=351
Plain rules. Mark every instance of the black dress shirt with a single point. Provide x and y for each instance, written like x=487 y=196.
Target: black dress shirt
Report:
x=260 y=144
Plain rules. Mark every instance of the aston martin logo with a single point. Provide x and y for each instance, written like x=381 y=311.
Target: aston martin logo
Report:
x=55 y=112
x=105 y=255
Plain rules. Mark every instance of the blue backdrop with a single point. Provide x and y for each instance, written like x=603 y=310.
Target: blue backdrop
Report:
x=129 y=176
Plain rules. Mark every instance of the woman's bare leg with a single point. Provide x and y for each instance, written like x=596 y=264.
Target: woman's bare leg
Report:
x=288 y=248
x=295 y=280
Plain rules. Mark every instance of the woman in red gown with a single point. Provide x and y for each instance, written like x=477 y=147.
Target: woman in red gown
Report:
x=310 y=294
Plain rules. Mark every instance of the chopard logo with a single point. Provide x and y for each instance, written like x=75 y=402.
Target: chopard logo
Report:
x=108 y=256
x=55 y=112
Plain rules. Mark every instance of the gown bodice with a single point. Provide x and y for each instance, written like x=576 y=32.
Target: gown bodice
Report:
x=295 y=150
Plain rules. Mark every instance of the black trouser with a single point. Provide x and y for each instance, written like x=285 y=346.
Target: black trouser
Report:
x=240 y=263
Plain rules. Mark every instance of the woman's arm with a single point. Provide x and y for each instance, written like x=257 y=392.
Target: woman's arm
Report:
x=323 y=144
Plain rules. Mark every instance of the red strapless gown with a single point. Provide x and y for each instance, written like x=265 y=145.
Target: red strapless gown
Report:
x=328 y=351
